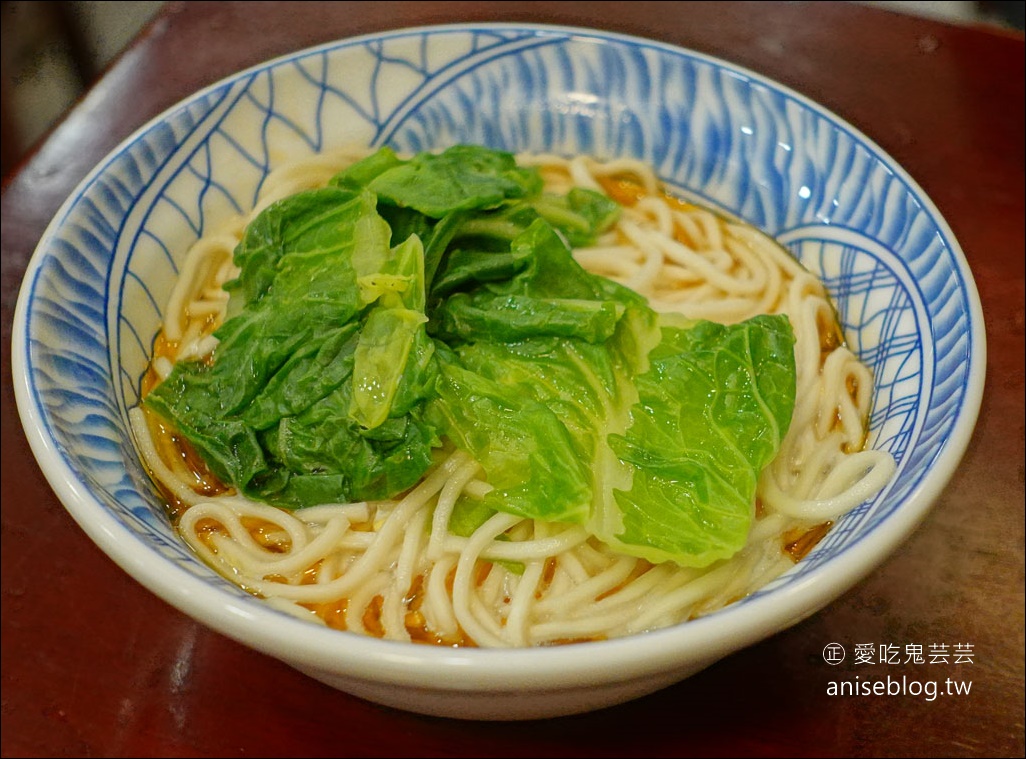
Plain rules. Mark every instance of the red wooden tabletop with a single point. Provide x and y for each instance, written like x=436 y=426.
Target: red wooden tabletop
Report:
x=94 y=665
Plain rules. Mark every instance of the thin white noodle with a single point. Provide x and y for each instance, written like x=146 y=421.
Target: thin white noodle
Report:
x=686 y=260
x=863 y=475
x=588 y=588
x=393 y=608
x=466 y=468
x=204 y=256
x=522 y=550
x=519 y=616
x=464 y=582
x=154 y=462
x=361 y=599
x=437 y=606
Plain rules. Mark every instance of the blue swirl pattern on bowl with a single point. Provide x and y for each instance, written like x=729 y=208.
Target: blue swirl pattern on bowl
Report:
x=718 y=134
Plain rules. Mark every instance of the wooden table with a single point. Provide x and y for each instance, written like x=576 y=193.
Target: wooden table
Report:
x=93 y=664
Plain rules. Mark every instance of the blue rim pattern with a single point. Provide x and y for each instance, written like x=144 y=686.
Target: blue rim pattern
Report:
x=719 y=134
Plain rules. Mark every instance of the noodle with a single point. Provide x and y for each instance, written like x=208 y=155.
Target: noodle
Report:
x=392 y=568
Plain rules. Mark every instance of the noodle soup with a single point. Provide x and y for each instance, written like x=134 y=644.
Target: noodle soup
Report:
x=426 y=563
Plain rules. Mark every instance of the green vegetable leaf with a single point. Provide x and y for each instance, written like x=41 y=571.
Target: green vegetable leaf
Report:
x=358 y=175
x=581 y=215
x=531 y=397
x=521 y=444
x=438 y=297
x=392 y=332
x=713 y=409
x=271 y=413
x=464 y=177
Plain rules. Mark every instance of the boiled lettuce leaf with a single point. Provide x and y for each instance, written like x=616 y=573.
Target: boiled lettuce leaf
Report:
x=532 y=402
x=273 y=413
x=393 y=360
x=580 y=215
x=712 y=411
x=522 y=445
x=358 y=175
x=672 y=468
x=461 y=178
x=437 y=298
x=548 y=293
x=673 y=422
x=296 y=244
x=466 y=204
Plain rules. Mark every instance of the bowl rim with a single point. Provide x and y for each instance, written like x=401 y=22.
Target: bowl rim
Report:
x=305 y=645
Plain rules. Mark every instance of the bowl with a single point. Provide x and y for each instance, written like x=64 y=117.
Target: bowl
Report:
x=90 y=306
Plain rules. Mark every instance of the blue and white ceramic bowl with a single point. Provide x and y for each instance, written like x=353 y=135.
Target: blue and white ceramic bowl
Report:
x=91 y=300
